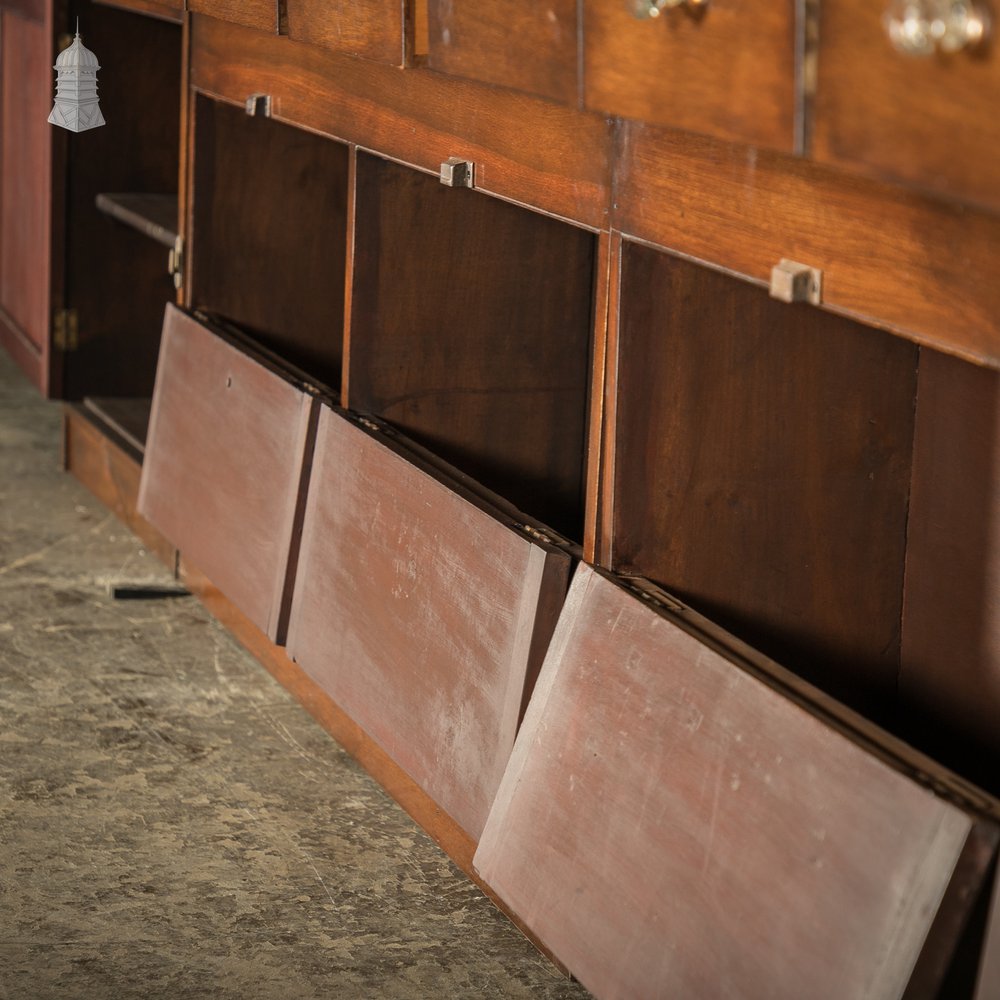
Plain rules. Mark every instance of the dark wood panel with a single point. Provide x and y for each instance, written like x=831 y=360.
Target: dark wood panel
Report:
x=128 y=418
x=526 y=149
x=727 y=69
x=416 y=610
x=525 y=46
x=26 y=57
x=269 y=234
x=471 y=331
x=762 y=468
x=110 y=470
x=369 y=28
x=116 y=278
x=911 y=263
x=225 y=466
x=169 y=10
x=927 y=121
x=670 y=825
x=951 y=621
x=262 y=14
x=153 y=215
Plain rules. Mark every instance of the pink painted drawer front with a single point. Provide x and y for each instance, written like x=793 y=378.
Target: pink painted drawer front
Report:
x=422 y=614
x=223 y=470
x=672 y=826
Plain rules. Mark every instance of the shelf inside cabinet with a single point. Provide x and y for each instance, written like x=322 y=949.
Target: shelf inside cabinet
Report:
x=269 y=236
x=154 y=215
x=471 y=331
x=127 y=417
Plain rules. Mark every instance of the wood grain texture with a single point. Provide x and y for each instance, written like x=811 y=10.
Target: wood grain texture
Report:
x=269 y=239
x=471 y=331
x=728 y=70
x=989 y=971
x=223 y=468
x=415 y=610
x=26 y=77
x=951 y=620
x=669 y=825
x=526 y=149
x=116 y=278
x=372 y=29
x=168 y=10
x=512 y=44
x=33 y=10
x=762 y=469
x=910 y=263
x=110 y=470
x=261 y=14
x=925 y=121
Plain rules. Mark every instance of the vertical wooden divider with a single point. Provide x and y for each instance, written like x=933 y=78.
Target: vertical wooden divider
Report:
x=352 y=188
x=186 y=161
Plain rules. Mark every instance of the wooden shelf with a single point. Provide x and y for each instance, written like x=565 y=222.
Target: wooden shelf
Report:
x=127 y=417
x=153 y=215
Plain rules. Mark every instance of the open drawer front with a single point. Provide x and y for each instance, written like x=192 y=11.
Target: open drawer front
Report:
x=422 y=608
x=226 y=464
x=680 y=818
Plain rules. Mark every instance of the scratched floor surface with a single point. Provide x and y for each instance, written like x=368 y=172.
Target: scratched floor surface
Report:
x=171 y=823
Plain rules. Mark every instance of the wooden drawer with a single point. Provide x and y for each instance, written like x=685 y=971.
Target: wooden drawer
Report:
x=262 y=14
x=930 y=120
x=369 y=28
x=226 y=464
x=422 y=611
x=671 y=824
x=507 y=42
x=728 y=70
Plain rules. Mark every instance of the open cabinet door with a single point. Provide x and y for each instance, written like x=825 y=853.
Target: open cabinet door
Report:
x=31 y=154
x=678 y=821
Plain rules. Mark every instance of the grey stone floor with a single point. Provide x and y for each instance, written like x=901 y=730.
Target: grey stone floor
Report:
x=172 y=824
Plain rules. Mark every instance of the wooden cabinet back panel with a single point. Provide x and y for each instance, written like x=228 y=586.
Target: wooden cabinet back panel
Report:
x=26 y=189
x=762 y=468
x=414 y=610
x=728 y=70
x=223 y=465
x=671 y=826
x=951 y=624
x=262 y=14
x=930 y=121
x=369 y=28
x=471 y=331
x=269 y=238
x=507 y=42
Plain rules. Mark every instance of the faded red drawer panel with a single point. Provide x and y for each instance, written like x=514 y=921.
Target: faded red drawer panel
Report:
x=424 y=615
x=671 y=825
x=223 y=469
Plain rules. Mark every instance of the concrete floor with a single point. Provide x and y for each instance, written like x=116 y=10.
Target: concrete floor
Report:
x=172 y=824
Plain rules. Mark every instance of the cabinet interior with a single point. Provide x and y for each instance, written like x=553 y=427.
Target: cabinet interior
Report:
x=471 y=331
x=116 y=274
x=269 y=234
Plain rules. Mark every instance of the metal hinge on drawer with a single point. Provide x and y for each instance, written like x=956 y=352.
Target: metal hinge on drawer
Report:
x=175 y=262
x=65 y=330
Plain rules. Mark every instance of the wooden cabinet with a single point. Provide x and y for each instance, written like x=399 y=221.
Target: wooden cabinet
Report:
x=82 y=283
x=725 y=68
x=926 y=120
x=262 y=14
x=374 y=29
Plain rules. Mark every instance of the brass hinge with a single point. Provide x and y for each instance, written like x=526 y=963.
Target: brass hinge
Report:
x=175 y=262
x=65 y=330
